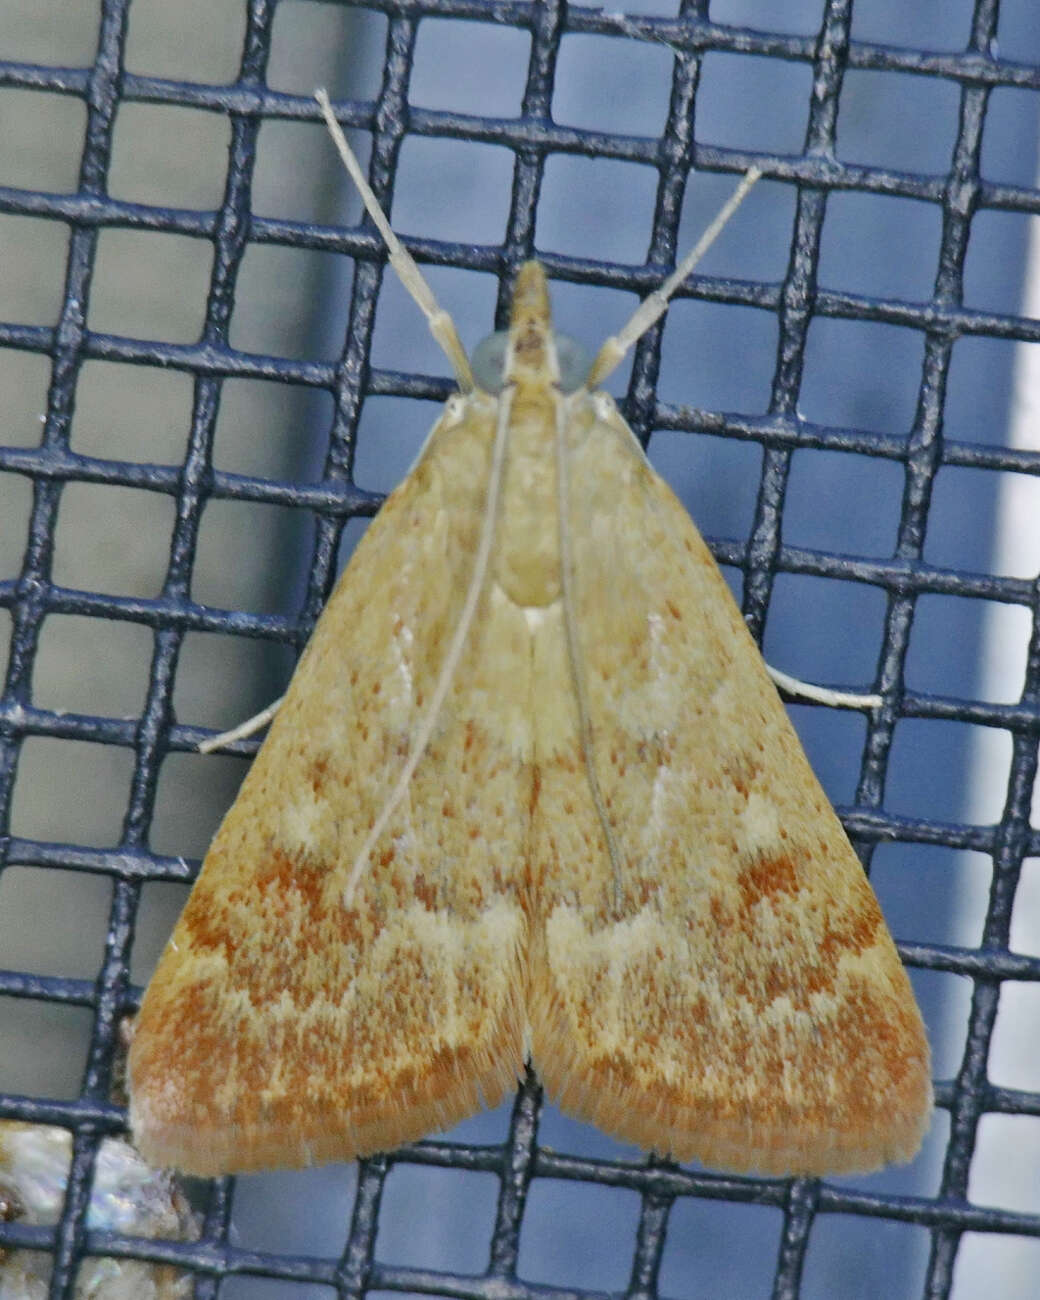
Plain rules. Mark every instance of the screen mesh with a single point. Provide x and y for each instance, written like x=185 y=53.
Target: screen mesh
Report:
x=86 y=356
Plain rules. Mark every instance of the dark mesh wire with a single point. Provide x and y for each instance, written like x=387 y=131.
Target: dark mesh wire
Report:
x=31 y=596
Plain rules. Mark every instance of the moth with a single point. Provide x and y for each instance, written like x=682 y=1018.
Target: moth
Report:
x=531 y=794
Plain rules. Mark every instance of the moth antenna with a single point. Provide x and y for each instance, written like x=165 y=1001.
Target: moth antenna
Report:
x=653 y=307
x=575 y=660
x=442 y=327
x=451 y=660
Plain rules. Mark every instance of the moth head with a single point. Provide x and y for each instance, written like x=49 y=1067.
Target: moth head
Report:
x=489 y=362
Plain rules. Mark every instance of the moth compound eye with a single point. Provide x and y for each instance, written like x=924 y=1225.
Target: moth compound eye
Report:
x=574 y=363
x=488 y=362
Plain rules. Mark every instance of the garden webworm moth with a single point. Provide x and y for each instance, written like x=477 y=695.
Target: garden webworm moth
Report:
x=531 y=792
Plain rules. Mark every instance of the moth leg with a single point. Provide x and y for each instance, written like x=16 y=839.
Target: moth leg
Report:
x=823 y=694
x=244 y=729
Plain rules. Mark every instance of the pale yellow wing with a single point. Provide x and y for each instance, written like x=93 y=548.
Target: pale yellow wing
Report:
x=282 y=1027
x=744 y=1005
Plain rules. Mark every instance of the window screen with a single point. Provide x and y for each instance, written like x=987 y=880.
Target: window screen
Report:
x=209 y=384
